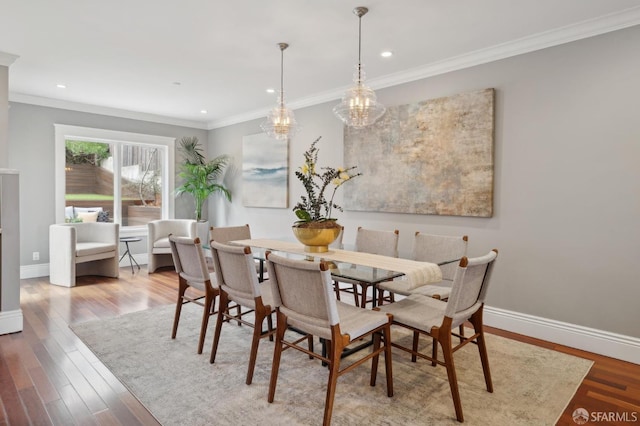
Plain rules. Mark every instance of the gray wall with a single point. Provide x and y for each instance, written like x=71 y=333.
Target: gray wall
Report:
x=567 y=199
x=4 y=116
x=31 y=151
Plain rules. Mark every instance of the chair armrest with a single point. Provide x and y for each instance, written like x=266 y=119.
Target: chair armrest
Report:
x=62 y=243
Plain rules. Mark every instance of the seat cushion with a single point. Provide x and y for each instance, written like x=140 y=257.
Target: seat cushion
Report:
x=357 y=321
x=418 y=311
x=442 y=290
x=88 y=249
x=162 y=243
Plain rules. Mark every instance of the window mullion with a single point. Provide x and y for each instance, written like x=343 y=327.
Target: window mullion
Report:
x=117 y=183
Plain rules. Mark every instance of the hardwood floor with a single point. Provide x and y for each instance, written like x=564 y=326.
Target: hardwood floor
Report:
x=48 y=376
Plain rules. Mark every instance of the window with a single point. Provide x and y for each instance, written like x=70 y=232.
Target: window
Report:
x=120 y=177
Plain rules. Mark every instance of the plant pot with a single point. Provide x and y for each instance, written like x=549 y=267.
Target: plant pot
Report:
x=316 y=236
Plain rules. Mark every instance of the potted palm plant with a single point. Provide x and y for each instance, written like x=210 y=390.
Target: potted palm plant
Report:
x=200 y=178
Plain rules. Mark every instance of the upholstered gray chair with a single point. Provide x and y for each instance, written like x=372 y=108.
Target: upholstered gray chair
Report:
x=441 y=249
x=303 y=294
x=436 y=318
x=372 y=241
x=77 y=249
x=191 y=267
x=235 y=271
x=158 y=248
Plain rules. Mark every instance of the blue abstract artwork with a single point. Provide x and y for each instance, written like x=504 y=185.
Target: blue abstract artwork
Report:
x=265 y=171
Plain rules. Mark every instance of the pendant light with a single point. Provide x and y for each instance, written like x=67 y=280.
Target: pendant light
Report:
x=280 y=123
x=359 y=107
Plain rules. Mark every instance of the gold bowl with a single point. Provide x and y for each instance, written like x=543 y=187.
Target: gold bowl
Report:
x=316 y=236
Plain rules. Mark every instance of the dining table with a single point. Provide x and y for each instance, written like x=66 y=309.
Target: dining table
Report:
x=367 y=268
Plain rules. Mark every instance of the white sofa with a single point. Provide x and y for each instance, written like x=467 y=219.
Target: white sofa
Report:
x=77 y=249
x=158 y=246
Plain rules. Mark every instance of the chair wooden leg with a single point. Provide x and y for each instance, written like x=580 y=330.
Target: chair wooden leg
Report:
x=434 y=352
x=255 y=342
x=222 y=308
x=310 y=343
x=334 y=368
x=281 y=327
x=375 y=359
x=336 y=289
x=270 y=326
x=209 y=300
x=363 y=303
x=182 y=287
x=416 y=339
x=356 y=295
x=461 y=332
x=387 y=360
x=476 y=320
x=444 y=338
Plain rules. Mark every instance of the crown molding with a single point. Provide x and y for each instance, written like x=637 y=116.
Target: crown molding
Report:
x=585 y=29
x=7 y=59
x=102 y=110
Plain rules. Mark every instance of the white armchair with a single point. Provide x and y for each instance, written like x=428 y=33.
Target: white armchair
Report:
x=77 y=249
x=158 y=246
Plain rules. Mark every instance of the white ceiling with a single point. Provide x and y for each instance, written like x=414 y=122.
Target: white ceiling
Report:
x=124 y=56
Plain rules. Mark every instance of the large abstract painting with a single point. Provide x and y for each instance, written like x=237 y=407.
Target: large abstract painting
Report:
x=265 y=170
x=432 y=157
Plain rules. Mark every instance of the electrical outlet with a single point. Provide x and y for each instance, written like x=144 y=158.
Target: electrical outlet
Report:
x=36 y=255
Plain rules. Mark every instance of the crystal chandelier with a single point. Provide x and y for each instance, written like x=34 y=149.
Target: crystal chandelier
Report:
x=359 y=107
x=280 y=123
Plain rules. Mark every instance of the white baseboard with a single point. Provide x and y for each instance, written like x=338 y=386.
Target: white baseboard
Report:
x=601 y=342
x=42 y=269
x=34 y=271
x=11 y=321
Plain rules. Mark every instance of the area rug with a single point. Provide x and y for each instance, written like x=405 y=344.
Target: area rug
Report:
x=532 y=385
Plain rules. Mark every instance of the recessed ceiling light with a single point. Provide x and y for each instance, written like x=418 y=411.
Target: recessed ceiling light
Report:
x=203 y=111
x=386 y=54
x=61 y=86
x=176 y=83
x=271 y=90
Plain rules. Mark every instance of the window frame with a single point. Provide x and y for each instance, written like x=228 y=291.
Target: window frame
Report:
x=65 y=132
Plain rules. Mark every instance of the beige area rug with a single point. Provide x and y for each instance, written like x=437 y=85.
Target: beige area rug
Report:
x=532 y=385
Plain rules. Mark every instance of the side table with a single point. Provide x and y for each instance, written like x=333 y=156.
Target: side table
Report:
x=126 y=241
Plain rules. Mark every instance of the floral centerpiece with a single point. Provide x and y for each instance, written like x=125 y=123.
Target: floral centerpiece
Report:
x=315 y=225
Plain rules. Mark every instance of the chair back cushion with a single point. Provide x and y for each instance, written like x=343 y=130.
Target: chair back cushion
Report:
x=225 y=234
x=440 y=248
x=236 y=272
x=470 y=286
x=189 y=261
x=303 y=291
x=384 y=243
x=159 y=229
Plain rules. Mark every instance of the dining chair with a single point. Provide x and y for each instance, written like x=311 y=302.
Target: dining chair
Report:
x=443 y=250
x=238 y=282
x=436 y=318
x=224 y=234
x=191 y=267
x=372 y=241
x=304 y=299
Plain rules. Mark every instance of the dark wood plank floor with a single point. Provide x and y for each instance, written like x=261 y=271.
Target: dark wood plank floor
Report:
x=48 y=376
